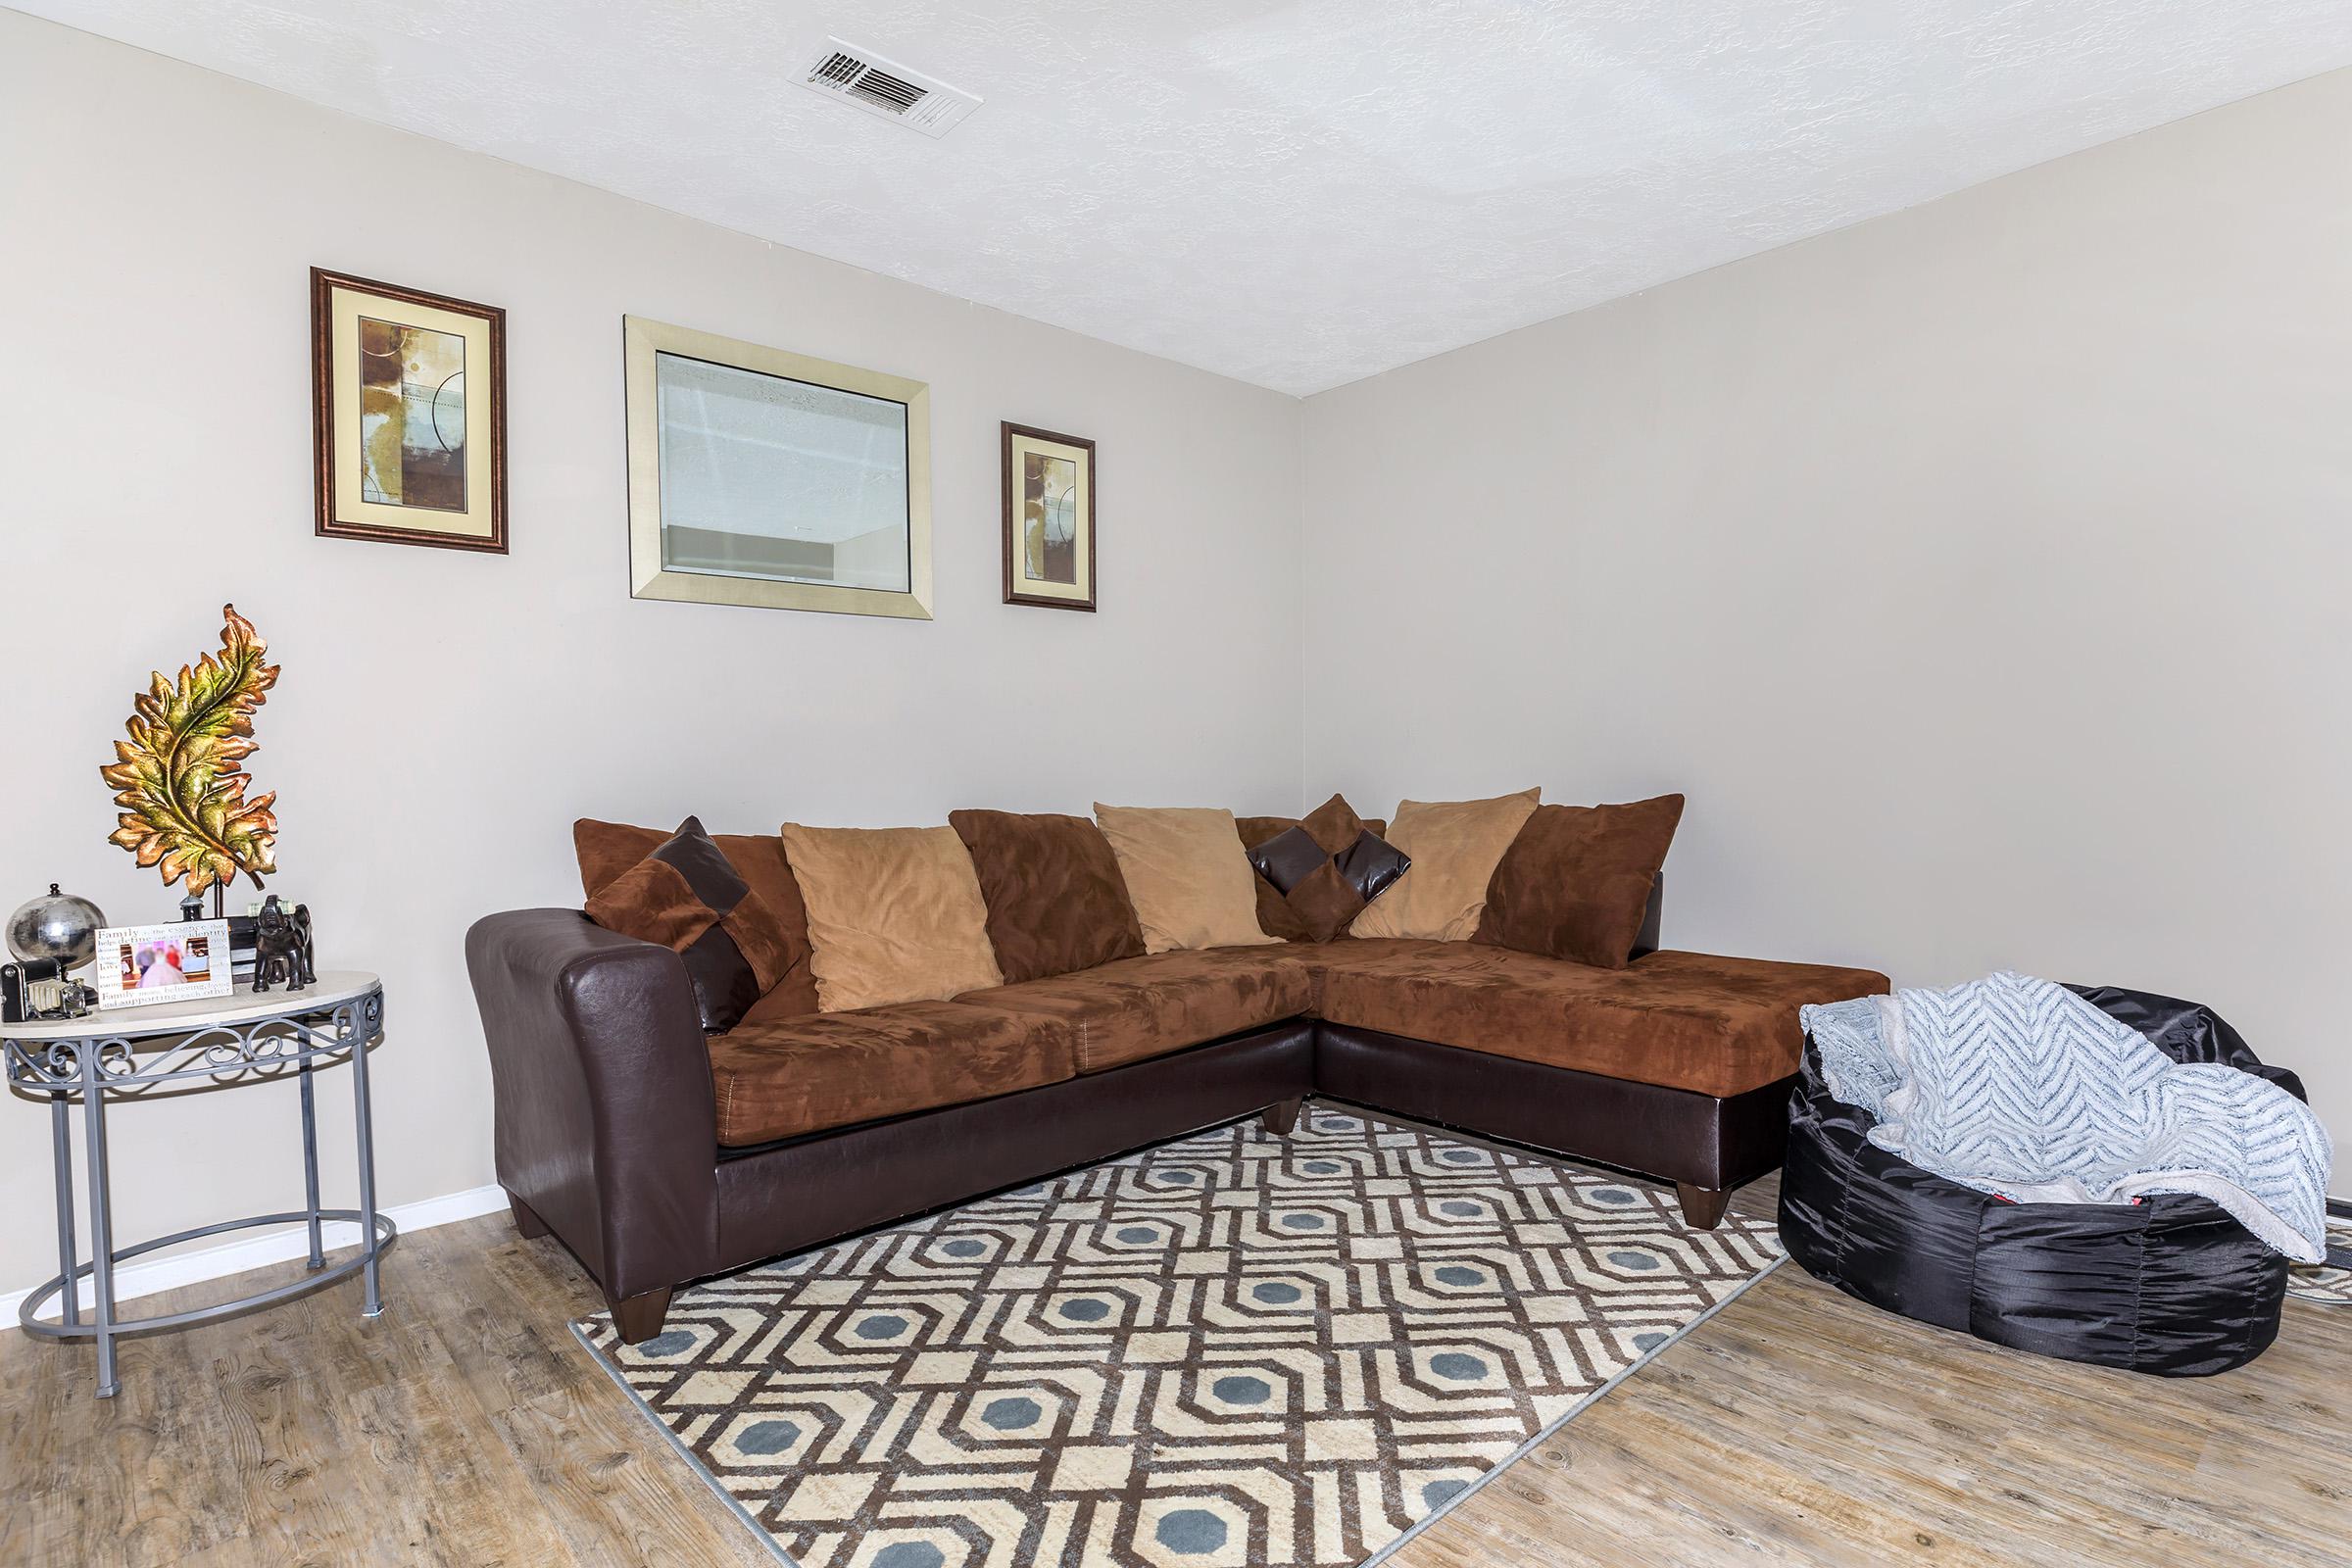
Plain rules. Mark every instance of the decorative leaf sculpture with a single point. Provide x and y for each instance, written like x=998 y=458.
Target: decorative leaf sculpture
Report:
x=178 y=778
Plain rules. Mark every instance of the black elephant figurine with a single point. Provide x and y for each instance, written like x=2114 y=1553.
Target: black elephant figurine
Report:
x=305 y=950
x=281 y=946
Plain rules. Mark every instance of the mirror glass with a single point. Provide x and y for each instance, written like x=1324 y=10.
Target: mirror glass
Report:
x=768 y=478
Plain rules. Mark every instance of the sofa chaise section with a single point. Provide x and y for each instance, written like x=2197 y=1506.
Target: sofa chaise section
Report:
x=1695 y=1021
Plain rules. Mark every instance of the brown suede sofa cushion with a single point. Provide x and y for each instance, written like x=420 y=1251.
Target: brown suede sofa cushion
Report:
x=1163 y=1003
x=1055 y=899
x=606 y=850
x=788 y=1076
x=1574 y=883
x=1684 y=1020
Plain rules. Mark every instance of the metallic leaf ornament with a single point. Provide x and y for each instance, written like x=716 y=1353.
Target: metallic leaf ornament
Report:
x=179 y=779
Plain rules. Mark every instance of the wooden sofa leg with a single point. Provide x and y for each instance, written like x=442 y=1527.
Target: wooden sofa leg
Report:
x=639 y=1317
x=1281 y=1116
x=526 y=1222
x=1702 y=1206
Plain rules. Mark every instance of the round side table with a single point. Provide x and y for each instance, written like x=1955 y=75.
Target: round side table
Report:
x=182 y=1048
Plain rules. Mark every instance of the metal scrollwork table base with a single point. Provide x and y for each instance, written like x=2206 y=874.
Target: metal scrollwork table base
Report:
x=182 y=1048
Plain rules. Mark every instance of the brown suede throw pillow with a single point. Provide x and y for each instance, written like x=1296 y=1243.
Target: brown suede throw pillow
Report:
x=1574 y=883
x=1321 y=899
x=1055 y=899
x=608 y=849
x=686 y=896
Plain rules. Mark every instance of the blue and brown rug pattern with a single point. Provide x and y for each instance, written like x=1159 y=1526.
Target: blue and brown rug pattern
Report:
x=2328 y=1283
x=1234 y=1348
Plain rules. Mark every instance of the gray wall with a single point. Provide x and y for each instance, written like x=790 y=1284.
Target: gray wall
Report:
x=1981 y=572
x=444 y=716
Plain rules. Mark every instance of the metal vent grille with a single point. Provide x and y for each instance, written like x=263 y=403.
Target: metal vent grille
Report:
x=837 y=68
x=884 y=88
x=888 y=91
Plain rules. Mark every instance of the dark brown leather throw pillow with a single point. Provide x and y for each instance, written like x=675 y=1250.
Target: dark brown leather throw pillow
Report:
x=686 y=896
x=1289 y=858
x=1574 y=883
x=1055 y=899
x=1371 y=863
x=1313 y=873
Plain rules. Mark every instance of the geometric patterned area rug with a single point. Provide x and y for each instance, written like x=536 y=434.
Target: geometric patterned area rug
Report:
x=2330 y=1283
x=1234 y=1348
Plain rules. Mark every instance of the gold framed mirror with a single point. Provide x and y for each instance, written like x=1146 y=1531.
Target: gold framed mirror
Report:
x=769 y=478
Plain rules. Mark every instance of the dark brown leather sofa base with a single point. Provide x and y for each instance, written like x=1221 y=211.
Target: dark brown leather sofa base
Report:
x=607 y=1117
x=784 y=1196
x=1706 y=1146
x=793 y=1195
x=789 y=1196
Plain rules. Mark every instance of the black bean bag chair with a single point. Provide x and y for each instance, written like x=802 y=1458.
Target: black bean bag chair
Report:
x=2170 y=1285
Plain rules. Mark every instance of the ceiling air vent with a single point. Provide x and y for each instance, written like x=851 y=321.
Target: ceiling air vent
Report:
x=886 y=88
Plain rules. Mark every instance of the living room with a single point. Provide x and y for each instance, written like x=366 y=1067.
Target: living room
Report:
x=1648 y=553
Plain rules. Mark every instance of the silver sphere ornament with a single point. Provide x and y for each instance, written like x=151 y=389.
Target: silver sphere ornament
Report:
x=56 y=925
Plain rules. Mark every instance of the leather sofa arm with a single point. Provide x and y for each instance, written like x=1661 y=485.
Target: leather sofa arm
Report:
x=605 y=1121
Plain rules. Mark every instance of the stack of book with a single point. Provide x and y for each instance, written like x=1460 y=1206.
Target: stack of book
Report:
x=243 y=952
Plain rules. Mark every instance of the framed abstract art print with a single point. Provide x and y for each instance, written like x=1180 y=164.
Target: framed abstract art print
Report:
x=408 y=415
x=1048 y=518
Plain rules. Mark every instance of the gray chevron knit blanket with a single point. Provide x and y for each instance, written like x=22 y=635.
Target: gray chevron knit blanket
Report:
x=2020 y=1088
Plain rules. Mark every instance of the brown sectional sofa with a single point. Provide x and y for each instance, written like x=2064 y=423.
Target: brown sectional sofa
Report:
x=659 y=1155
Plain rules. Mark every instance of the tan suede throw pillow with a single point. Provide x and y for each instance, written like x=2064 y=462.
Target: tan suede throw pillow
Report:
x=1187 y=875
x=895 y=914
x=1454 y=846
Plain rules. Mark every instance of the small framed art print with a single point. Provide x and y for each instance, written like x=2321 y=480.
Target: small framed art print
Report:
x=408 y=415
x=139 y=965
x=1048 y=518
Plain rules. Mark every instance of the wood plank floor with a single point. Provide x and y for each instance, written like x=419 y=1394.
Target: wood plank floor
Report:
x=466 y=1427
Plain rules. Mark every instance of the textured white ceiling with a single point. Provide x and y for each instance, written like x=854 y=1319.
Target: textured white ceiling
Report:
x=1295 y=192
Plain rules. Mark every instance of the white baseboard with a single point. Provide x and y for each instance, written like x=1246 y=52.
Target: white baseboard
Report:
x=146 y=1276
